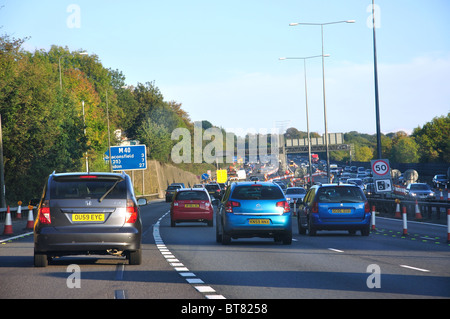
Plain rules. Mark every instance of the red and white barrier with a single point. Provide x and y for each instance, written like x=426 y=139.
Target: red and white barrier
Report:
x=8 y=230
x=30 y=221
x=405 y=221
x=418 y=214
x=373 y=217
x=448 y=225
x=397 y=210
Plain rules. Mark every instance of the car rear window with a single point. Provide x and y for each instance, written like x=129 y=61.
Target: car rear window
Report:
x=92 y=189
x=257 y=192
x=212 y=187
x=192 y=195
x=340 y=194
x=295 y=191
x=174 y=187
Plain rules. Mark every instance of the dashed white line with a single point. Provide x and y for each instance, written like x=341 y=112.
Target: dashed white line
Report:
x=178 y=266
x=336 y=250
x=414 y=268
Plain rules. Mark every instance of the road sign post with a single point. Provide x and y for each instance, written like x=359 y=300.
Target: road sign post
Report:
x=128 y=158
x=381 y=172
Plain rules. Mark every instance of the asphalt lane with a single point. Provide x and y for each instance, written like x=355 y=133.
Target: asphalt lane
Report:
x=330 y=265
x=101 y=277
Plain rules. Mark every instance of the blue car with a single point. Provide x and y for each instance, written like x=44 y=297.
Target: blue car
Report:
x=254 y=209
x=334 y=207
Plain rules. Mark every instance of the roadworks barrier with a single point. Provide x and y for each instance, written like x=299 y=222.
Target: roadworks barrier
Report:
x=8 y=230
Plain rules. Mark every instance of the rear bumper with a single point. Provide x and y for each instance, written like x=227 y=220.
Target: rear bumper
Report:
x=340 y=223
x=239 y=225
x=191 y=216
x=52 y=241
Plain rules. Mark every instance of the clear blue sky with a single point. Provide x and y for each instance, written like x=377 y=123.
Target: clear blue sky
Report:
x=220 y=58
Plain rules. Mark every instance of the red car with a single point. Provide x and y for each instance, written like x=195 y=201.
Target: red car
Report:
x=191 y=205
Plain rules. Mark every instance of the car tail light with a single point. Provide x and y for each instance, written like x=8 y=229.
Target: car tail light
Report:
x=44 y=213
x=285 y=205
x=230 y=204
x=315 y=208
x=132 y=212
x=366 y=207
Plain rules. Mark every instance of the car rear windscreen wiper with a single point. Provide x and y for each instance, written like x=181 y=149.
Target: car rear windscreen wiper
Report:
x=108 y=191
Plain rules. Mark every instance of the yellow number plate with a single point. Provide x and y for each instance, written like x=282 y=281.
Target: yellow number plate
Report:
x=191 y=205
x=88 y=217
x=341 y=211
x=259 y=221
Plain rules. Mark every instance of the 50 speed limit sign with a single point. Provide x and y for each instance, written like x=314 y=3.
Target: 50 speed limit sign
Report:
x=380 y=168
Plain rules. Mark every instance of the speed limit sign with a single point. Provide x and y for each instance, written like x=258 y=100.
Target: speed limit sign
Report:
x=380 y=168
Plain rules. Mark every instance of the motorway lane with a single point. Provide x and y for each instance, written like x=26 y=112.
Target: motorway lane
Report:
x=330 y=265
x=101 y=276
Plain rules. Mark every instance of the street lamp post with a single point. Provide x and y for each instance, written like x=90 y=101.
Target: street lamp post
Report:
x=323 y=85
x=307 y=115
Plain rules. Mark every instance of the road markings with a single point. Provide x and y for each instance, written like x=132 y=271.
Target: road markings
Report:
x=336 y=250
x=415 y=268
x=178 y=266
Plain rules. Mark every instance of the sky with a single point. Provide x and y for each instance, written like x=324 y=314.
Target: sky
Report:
x=220 y=59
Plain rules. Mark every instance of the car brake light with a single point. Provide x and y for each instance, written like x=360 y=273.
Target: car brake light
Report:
x=285 y=205
x=315 y=208
x=44 y=213
x=88 y=176
x=366 y=207
x=132 y=212
x=230 y=204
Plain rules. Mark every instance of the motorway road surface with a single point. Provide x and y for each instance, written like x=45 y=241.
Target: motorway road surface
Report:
x=185 y=262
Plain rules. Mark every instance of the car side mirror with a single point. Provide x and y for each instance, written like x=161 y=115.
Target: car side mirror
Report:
x=141 y=202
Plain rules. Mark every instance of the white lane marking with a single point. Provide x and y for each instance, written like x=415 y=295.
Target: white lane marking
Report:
x=336 y=250
x=184 y=272
x=415 y=268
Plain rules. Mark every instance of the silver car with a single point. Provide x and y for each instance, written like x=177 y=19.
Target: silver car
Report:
x=88 y=213
x=419 y=191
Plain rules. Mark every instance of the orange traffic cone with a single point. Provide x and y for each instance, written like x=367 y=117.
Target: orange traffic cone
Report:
x=8 y=223
x=397 y=210
x=30 y=221
x=418 y=214
x=19 y=211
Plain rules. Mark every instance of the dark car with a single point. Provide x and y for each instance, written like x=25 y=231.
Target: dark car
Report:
x=88 y=213
x=171 y=190
x=440 y=180
x=214 y=190
x=334 y=207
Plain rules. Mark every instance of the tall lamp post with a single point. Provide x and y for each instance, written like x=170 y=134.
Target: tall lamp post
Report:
x=307 y=116
x=375 y=67
x=323 y=84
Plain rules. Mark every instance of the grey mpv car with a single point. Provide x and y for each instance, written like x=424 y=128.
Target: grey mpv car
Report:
x=88 y=213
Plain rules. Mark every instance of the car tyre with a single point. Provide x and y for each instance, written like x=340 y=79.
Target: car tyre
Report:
x=40 y=260
x=226 y=239
x=311 y=230
x=287 y=239
x=365 y=231
x=301 y=229
x=135 y=257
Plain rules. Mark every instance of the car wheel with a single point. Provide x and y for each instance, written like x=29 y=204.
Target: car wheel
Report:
x=365 y=231
x=173 y=223
x=40 y=260
x=135 y=257
x=287 y=239
x=226 y=239
x=218 y=235
x=311 y=230
x=210 y=223
x=301 y=229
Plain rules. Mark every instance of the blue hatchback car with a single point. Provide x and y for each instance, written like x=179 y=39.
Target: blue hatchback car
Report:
x=334 y=207
x=254 y=209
